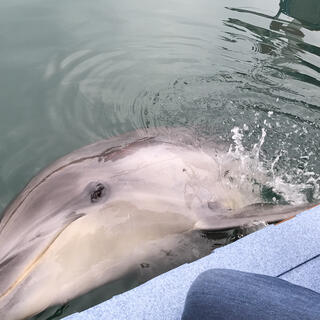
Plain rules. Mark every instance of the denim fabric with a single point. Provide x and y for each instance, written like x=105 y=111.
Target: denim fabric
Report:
x=222 y=294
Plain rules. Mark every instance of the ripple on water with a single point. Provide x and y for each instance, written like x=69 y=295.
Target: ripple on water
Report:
x=223 y=102
x=98 y=93
x=89 y=91
x=214 y=84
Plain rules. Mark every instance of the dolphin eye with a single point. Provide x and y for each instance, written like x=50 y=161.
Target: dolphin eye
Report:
x=97 y=193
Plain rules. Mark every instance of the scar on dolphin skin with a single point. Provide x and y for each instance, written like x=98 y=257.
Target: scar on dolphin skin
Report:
x=105 y=155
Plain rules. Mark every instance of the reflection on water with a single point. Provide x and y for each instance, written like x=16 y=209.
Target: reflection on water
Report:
x=307 y=13
x=274 y=88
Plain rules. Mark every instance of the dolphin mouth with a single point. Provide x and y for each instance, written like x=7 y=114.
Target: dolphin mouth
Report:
x=35 y=262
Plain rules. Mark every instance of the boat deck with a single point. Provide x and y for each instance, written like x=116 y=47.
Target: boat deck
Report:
x=289 y=250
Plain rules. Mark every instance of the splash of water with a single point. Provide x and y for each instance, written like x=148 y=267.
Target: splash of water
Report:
x=244 y=170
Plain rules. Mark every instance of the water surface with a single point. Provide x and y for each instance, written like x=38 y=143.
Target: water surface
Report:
x=73 y=72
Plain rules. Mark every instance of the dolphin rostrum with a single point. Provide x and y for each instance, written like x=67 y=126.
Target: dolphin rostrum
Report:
x=100 y=212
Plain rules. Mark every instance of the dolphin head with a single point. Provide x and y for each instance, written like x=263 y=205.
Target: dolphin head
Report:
x=98 y=213
x=84 y=216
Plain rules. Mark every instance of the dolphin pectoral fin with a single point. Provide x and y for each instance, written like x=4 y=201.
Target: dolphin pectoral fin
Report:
x=272 y=212
x=260 y=212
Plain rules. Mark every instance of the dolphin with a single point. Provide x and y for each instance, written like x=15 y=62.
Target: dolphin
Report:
x=99 y=213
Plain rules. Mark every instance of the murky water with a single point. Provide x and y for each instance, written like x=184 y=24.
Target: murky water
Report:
x=245 y=72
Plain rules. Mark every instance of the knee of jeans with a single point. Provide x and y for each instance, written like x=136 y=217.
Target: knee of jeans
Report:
x=216 y=275
x=213 y=281
x=208 y=292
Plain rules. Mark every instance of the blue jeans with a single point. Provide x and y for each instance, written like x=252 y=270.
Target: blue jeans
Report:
x=221 y=294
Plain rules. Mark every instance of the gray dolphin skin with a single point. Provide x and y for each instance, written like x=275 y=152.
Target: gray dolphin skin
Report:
x=102 y=211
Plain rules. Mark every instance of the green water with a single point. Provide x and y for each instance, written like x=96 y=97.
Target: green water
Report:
x=76 y=71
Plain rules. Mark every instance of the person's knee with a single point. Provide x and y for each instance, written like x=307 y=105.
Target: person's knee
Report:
x=209 y=293
x=217 y=275
x=230 y=294
x=216 y=281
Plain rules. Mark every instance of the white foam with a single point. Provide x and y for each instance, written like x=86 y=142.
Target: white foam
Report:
x=247 y=172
